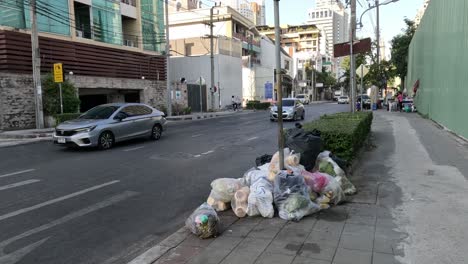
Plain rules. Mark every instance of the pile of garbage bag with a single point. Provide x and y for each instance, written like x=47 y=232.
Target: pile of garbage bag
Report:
x=310 y=182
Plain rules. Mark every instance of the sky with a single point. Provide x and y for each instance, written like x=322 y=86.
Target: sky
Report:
x=294 y=12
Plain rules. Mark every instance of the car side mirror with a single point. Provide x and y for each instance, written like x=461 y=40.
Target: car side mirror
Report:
x=120 y=116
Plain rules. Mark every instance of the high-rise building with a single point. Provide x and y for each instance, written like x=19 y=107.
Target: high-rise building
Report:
x=331 y=17
x=254 y=10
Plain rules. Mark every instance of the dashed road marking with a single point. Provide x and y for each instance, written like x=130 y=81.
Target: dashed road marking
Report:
x=15 y=256
x=208 y=152
x=198 y=135
x=197 y=156
x=16 y=173
x=56 y=200
x=17 y=184
x=135 y=148
x=252 y=138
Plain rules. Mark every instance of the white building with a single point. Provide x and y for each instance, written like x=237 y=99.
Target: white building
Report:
x=331 y=17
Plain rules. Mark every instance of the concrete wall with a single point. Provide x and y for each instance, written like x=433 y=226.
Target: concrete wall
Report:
x=228 y=72
x=17 y=109
x=197 y=30
x=438 y=57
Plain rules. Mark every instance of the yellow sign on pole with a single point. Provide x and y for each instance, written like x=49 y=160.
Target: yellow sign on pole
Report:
x=58 y=72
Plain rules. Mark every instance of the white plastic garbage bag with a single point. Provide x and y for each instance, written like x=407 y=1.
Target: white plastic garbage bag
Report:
x=203 y=222
x=239 y=202
x=261 y=198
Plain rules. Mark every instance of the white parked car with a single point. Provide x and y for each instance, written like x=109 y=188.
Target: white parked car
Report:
x=343 y=100
x=304 y=98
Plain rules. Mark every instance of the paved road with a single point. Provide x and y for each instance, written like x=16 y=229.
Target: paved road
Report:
x=88 y=206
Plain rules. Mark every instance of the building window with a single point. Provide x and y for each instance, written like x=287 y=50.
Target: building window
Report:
x=313 y=15
x=321 y=13
x=315 y=49
x=326 y=13
x=152 y=16
x=107 y=22
x=315 y=43
x=309 y=42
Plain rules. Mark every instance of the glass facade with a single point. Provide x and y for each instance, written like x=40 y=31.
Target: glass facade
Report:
x=52 y=15
x=107 y=21
x=152 y=21
x=101 y=22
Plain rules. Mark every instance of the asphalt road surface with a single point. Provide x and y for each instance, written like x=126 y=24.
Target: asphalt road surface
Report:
x=88 y=206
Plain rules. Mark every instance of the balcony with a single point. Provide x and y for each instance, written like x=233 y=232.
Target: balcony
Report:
x=253 y=41
x=129 y=2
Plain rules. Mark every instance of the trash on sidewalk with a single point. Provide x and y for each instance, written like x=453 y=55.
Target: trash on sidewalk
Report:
x=203 y=222
x=307 y=144
x=291 y=197
x=240 y=201
x=291 y=162
x=222 y=192
x=311 y=182
x=327 y=165
x=263 y=159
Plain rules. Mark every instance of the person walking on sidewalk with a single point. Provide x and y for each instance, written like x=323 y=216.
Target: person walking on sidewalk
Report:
x=400 y=101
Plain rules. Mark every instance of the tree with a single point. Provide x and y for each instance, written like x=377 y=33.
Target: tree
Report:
x=399 y=50
x=51 y=96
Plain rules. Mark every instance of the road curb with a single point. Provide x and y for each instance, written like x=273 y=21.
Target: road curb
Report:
x=26 y=136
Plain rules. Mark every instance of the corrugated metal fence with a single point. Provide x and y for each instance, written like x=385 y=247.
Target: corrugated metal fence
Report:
x=438 y=57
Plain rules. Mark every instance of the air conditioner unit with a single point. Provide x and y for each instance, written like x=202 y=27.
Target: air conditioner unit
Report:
x=129 y=43
x=79 y=33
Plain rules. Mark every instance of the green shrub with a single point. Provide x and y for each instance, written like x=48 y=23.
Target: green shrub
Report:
x=257 y=105
x=343 y=133
x=65 y=117
x=51 y=96
x=187 y=110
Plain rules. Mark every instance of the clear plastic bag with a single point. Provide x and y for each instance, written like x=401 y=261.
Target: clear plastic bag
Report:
x=240 y=201
x=326 y=186
x=291 y=162
x=223 y=189
x=327 y=165
x=261 y=198
x=291 y=197
x=203 y=222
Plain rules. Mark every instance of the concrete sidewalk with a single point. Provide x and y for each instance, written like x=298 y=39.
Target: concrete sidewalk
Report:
x=407 y=210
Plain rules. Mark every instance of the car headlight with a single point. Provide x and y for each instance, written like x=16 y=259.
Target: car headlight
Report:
x=85 y=129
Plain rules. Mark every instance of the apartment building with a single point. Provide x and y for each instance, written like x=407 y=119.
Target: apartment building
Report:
x=111 y=50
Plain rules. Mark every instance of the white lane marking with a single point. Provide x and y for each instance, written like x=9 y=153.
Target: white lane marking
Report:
x=252 y=138
x=16 y=173
x=17 y=184
x=13 y=257
x=208 y=152
x=135 y=148
x=197 y=156
x=56 y=200
x=197 y=135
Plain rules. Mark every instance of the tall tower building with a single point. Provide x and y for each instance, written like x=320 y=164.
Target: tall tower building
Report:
x=254 y=10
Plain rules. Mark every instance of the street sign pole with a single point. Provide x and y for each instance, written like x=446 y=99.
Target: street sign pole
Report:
x=362 y=84
x=61 y=100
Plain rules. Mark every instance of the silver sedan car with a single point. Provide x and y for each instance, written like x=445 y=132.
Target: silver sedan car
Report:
x=104 y=125
x=292 y=110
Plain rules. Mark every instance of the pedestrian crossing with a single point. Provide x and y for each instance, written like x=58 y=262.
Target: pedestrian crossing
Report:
x=14 y=180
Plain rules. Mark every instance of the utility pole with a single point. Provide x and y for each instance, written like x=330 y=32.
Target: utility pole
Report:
x=352 y=71
x=36 y=67
x=279 y=85
x=212 y=58
x=168 y=55
x=378 y=35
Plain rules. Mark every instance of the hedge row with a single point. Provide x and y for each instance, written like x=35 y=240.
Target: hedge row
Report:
x=343 y=133
x=258 y=105
x=59 y=118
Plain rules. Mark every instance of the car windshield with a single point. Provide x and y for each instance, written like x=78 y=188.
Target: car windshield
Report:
x=99 y=112
x=288 y=102
x=343 y=97
x=300 y=96
x=365 y=97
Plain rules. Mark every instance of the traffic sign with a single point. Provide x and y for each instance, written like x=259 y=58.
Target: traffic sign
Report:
x=365 y=70
x=58 y=73
x=359 y=46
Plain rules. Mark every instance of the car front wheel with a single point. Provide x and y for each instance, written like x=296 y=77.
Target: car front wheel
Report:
x=106 y=140
x=156 y=132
